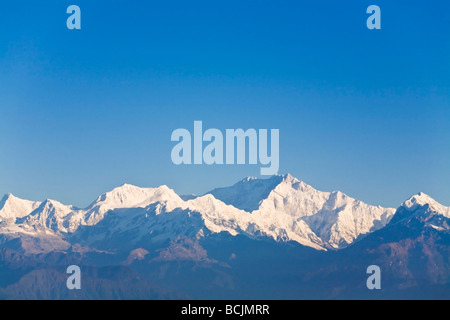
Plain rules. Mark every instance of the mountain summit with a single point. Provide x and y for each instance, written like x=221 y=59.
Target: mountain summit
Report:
x=421 y=200
x=12 y=207
x=328 y=219
x=128 y=196
x=421 y=211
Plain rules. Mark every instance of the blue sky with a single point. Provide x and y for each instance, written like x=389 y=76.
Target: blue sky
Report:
x=364 y=112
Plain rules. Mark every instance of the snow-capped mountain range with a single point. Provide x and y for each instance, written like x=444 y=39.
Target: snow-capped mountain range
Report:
x=281 y=207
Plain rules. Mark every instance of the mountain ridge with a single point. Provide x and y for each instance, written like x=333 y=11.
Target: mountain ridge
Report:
x=290 y=241
x=281 y=207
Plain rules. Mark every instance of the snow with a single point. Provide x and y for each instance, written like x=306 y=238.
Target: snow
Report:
x=248 y=193
x=422 y=199
x=12 y=207
x=293 y=210
x=54 y=216
x=129 y=196
x=282 y=208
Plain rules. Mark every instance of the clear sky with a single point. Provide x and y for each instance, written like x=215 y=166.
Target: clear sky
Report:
x=363 y=111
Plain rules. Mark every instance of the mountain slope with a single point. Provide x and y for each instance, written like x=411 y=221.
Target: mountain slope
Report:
x=248 y=193
x=413 y=250
x=53 y=216
x=329 y=219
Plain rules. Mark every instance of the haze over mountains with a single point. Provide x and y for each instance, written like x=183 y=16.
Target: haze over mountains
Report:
x=154 y=234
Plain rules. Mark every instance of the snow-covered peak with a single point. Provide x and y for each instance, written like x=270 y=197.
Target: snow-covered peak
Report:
x=421 y=199
x=286 y=208
x=124 y=194
x=12 y=207
x=57 y=206
x=129 y=196
x=288 y=178
x=52 y=216
x=294 y=198
x=248 y=193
